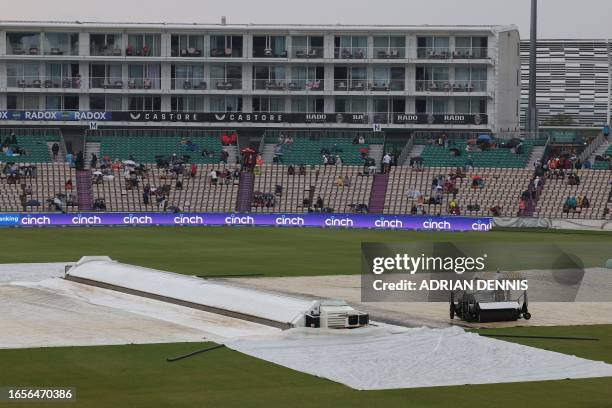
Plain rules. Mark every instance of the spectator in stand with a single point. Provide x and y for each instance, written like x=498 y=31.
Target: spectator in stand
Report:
x=68 y=185
x=319 y=203
x=259 y=161
x=302 y=170
x=361 y=140
x=213 y=177
x=496 y=210
x=339 y=181
x=94 y=161
x=386 y=163
x=347 y=181
x=522 y=207
x=338 y=160
x=55 y=150
x=194 y=170
x=469 y=163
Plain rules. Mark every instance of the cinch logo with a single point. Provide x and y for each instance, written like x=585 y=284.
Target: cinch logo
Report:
x=133 y=219
x=437 y=225
x=481 y=226
x=338 y=222
x=42 y=220
x=41 y=115
x=289 y=220
x=90 y=115
x=93 y=219
x=185 y=219
x=382 y=223
x=232 y=220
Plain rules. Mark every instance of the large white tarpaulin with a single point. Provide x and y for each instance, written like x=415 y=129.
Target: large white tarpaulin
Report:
x=392 y=357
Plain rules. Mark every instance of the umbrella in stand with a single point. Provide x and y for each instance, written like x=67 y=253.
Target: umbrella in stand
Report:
x=129 y=162
x=484 y=138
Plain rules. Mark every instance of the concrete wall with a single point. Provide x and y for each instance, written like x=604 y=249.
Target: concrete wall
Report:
x=508 y=81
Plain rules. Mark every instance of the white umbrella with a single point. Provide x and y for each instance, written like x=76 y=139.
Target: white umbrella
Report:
x=129 y=162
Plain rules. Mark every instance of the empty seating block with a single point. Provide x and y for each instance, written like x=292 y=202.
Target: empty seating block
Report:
x=144 y=149
x=439 y=156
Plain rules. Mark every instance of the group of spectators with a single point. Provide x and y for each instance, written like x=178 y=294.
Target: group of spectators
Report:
x=576 y=203
x=10 y=147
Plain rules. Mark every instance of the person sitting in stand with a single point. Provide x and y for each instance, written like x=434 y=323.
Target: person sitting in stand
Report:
x=68 y=185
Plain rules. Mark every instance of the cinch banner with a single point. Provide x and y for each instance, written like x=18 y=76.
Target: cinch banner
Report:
x=321 y=220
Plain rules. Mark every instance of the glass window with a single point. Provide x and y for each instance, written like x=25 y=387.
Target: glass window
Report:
x=192 y=103
x=228 y=46
x=105 y=44
x=268 y=104
x=61 y=43
x=187 y=45
x=22 y=101
x=144 y=76
x=105 y=102
x=23 y=43
x=306 y=46
x=23 y=75
x=348 y=46
x=307 y=104
x=144 y=103
x=269 y=46
x=143 y=45
x=226 y=103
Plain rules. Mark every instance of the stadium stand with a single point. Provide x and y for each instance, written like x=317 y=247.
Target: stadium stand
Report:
x=500 y=183
x=309 y=148
x=32 y=143
x=439 y=156
x=501 y=187
x=167 y=190
x=341 y=188
x=32 y=185
x=593 y=184
x=604 y=164
x=145 y=146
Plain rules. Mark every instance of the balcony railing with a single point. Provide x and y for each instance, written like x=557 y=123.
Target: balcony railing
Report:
x=433 y=53
x=59 y=51
x=189 y=83
x=270 y=84
x=22 y=81
x=307 y=52
x=144 y=83
x=269 y=53
x=470 y=53
x=106 y=83
x=47 y=82
x=190 y=52
x=350 y=52
x=383 y=86
x=350 y=85
x=226 y=52
x=145 y=51
x=315 y=85
x=105 y=51
x=446 y=86
x=223 y=84
x=389 y=52
x=21 y=50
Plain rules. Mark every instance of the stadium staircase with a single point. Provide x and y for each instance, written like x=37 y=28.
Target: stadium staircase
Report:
x=416 y=151
x=536 y=154
x=233 y=154
x=376 y=205
x=91 y=148
x=84 y=190
x=245 y=191
x=268 y=153
x=376 y=152
x=61 y=156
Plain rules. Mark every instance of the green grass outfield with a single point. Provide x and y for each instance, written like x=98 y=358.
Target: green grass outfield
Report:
x=259 y=250
x=138 y=376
